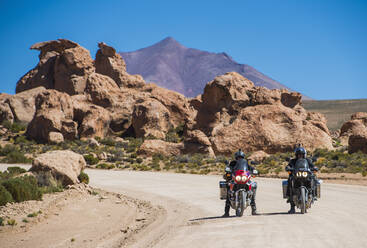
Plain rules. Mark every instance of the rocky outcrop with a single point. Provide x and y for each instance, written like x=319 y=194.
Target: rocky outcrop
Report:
x=63 y=65
x=110 y=63
x=64 y=166
x=19 y=107
x=356 y=126
x=353 y=133
x=86 y=98
x=72 y=68
x=358 y=142
x=258 y=156
x=55 y=138
x=54 y=113
x=151 y=147
x=236 y=114
x=151 y=118
x=93 y=121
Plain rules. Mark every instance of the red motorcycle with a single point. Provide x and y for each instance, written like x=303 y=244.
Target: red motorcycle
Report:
x=239 y=187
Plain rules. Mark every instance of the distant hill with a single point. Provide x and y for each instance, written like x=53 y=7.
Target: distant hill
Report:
x=186 y=70
x=336 y=111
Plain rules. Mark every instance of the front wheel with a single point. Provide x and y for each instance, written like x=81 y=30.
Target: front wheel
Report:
x=241 y=204
x=303 y=200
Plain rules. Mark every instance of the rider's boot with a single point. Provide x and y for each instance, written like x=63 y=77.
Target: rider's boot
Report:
x=253 y=210
x=226 y=211
x=292 y=210
x=227 y=207
x=253 y=202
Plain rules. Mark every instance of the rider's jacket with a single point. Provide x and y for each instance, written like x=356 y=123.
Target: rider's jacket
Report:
x=293 y=161
x=241 y=161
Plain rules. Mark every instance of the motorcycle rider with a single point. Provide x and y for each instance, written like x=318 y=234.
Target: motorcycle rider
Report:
x=300 y=153
x=240 y=158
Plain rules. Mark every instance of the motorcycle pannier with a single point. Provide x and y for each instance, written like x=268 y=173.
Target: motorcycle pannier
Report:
x=318 y=188
x=223 y=190
x=285 y=187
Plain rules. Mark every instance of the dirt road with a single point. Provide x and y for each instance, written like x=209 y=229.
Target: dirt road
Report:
x=338 y=219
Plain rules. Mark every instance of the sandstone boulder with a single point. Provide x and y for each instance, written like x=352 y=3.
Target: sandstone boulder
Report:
x=227 y=91
x=197 y=142
x=64 y=166
x=55 y=138
x=54 y=113
x=358 y=142
x=271 y=128
x=151 y=147
x=258 y=156
x=356 y=126
x=63 y=65
x=93 y=120
x=290 y=99
x=72 y=68
x=151 y=118
x=5 y=113
x=177 y=104
x=110 y=63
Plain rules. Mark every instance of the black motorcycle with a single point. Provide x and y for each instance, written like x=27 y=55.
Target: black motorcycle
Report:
x=304 y=184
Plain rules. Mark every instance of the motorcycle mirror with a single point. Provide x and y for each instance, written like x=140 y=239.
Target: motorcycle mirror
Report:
x=228 y=169
x=253 y=162
x=255 y=172
x=226 y=162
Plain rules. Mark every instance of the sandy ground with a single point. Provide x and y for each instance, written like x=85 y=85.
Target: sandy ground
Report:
x=193 y=210
x=78 y=217
x=338 y=219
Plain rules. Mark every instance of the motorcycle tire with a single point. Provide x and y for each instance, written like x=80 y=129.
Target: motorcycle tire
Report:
x=241 y=206
x=303 y=200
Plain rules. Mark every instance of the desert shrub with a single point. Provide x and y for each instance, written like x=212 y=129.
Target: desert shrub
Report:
x=25 y=220
x=52 y=188
x=14 y=127
x=182 y=159
x=175 y=135
x=5 y=196
x=364 y=173
x=157 y=157
x=16 y=157
x=22 y=140
x=12 y=222
x=1 y=221
x=90 y=159
x=139 y=160
x=31 y=215
x=7 y=149
x=134 y=144
x=117 y=155
x=83 y=177
x=23 y=188
x=14 y=170
x=133 y=155
x=105 y=166
x=108 y=141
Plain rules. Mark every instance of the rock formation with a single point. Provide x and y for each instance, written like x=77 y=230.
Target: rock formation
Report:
x=82 y=98
x=354 y=133
x=236 y=114
x=64 y=166
x=19 y=107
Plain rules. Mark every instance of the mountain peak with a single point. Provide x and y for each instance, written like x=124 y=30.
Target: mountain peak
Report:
x=168 y=42
x=187 y=70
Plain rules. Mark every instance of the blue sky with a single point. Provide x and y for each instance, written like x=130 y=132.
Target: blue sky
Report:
x=315 y=47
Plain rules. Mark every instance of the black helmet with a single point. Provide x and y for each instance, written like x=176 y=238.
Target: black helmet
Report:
x=300 y=150
x=239 y=153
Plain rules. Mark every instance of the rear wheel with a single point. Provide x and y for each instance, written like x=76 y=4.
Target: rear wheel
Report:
x=303 y=200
